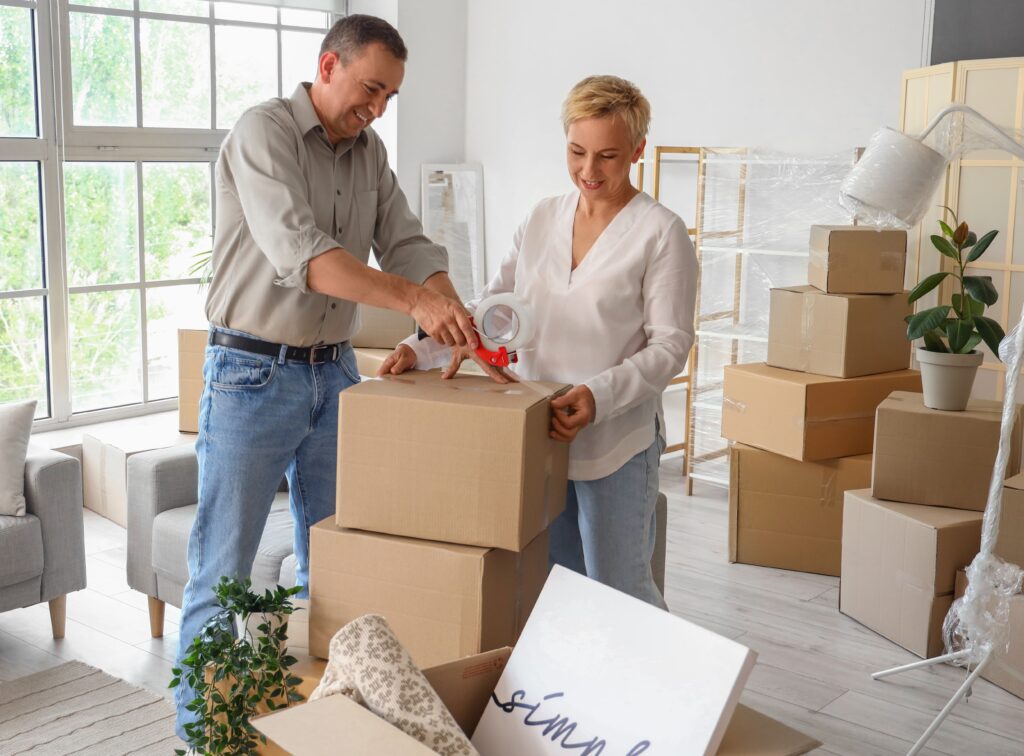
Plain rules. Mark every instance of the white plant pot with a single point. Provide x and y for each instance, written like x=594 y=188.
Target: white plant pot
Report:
x=948 y=378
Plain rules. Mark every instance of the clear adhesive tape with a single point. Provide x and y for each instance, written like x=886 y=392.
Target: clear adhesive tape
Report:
x=523 y=314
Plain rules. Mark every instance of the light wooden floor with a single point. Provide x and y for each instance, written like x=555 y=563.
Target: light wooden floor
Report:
x=813 y=663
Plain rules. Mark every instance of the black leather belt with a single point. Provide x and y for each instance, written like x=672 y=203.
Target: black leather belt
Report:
x=314 y=355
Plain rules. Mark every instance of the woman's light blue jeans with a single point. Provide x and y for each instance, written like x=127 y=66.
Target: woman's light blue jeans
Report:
x=260 y=419
x=607 y=530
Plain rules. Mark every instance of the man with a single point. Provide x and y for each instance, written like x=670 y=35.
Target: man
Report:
x=303 y=189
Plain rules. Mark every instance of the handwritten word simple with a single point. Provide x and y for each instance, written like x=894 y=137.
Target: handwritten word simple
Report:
x=559 y=728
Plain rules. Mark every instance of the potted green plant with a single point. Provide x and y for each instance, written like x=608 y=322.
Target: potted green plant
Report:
x=950 y=332
x=238 y=667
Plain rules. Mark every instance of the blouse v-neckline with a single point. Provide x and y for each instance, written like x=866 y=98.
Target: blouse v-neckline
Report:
x=613 y=229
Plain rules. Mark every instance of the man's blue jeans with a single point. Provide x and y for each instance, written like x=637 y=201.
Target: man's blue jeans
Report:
x=607 y=530
x=260 y=419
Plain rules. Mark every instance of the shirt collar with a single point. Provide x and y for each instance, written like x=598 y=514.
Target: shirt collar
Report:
x=307 y=120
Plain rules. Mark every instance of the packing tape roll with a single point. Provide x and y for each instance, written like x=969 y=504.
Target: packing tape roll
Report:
x=522 y=312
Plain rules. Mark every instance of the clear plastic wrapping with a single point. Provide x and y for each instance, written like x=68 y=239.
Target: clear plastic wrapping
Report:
x=978 y=622
x=754 y=215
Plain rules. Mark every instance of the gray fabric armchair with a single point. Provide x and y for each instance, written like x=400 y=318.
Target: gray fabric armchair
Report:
x=42 y=554
x=162 y=501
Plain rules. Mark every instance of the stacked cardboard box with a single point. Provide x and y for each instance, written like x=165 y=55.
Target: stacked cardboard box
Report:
x=445 y=493
x=905 y=538
x=804 y=420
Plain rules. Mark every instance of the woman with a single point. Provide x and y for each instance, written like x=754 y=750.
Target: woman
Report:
x=611 y=277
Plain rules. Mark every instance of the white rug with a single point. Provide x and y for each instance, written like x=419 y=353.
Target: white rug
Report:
x=75 y=708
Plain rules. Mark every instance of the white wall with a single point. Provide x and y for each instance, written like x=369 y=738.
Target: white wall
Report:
x=427 y=121
x=790 y=75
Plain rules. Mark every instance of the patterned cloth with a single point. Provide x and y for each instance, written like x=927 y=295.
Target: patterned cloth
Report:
x=370 y=666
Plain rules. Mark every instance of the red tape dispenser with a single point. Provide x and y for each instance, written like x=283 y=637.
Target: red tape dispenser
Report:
x=505 y=324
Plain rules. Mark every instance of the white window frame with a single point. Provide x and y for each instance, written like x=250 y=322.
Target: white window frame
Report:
x=60 y=140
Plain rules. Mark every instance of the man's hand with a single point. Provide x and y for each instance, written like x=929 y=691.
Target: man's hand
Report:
x=400 y=360
x=495 y=373
x=572 y=412
x=445 y=319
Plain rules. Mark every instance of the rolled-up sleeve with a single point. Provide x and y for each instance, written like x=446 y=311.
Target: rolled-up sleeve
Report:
x=263 y=170
x=669 y=293
x=399 y=243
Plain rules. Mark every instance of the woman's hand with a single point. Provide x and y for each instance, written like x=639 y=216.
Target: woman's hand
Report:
x=400 y=360
x=459 y=354
x=572 y=412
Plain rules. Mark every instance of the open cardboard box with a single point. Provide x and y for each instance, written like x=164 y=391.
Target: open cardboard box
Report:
x=338 y=725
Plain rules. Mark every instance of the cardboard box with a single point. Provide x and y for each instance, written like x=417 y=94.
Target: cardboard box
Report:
x=842 y=335
x=105 y=454
x=465 y=686
x=1010 y=544
x=805 y=416
x=464 y=460
x=1012 y=679
x=913 y=445
x=443 y=600
x=191 y=355
x=381 y=328
x=899 y=566
x=857 y=259
x=789 y=514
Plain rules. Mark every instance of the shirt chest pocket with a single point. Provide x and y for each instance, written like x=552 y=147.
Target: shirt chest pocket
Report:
x=365 y=220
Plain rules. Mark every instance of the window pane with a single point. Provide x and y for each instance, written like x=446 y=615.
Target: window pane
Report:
x=21 y=254
x=175 y=74
x=105 y=350
x=169 y=308
x=102 y=70
x=238 y=12
x=245 y=77
x=23 y=352
x=17 y=74
x=119 y=4
x=177 y=7
x=299 y=54
x=312 y=19
x=100 y=210
x=176 y=216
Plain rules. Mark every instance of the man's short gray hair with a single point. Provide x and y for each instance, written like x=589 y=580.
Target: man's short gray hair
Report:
x=351 y=34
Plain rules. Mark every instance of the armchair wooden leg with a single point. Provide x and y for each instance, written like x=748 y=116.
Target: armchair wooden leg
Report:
x=156 y=617
x=58 y=614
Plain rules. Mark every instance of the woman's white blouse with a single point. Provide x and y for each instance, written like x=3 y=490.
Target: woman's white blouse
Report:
x=621 y=323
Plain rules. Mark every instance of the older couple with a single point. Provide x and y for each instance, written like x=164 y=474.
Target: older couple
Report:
x=303 y=192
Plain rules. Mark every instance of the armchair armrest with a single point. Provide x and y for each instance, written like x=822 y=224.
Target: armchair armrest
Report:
x=53 y=493
x=158 y=480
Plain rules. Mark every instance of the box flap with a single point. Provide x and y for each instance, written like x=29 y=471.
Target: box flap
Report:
x=318 y=727
x=751 y=733
x=471 y=390
x=465 y=685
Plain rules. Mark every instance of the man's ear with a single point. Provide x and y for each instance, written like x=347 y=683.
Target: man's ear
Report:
x=327 y=65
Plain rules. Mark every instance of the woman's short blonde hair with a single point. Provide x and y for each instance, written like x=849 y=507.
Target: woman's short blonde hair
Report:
x=599 y=96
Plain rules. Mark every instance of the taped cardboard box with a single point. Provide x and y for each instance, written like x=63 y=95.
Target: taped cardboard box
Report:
x=464 y=460
x=841 y=335
x=465 y=686
x=368 y=362
x=443 y=600
x=191 y=354
x=899 y=566
x=806 y=416
x=380 y=328
x=912 y=443
x=857 y=259
x=1007 y=668
x=789 y=514
x=105 y=454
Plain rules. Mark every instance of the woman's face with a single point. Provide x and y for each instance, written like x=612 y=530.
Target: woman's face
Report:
x=598 y=154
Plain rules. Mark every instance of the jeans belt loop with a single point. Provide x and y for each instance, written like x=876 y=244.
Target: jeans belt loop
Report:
x=282 y=356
